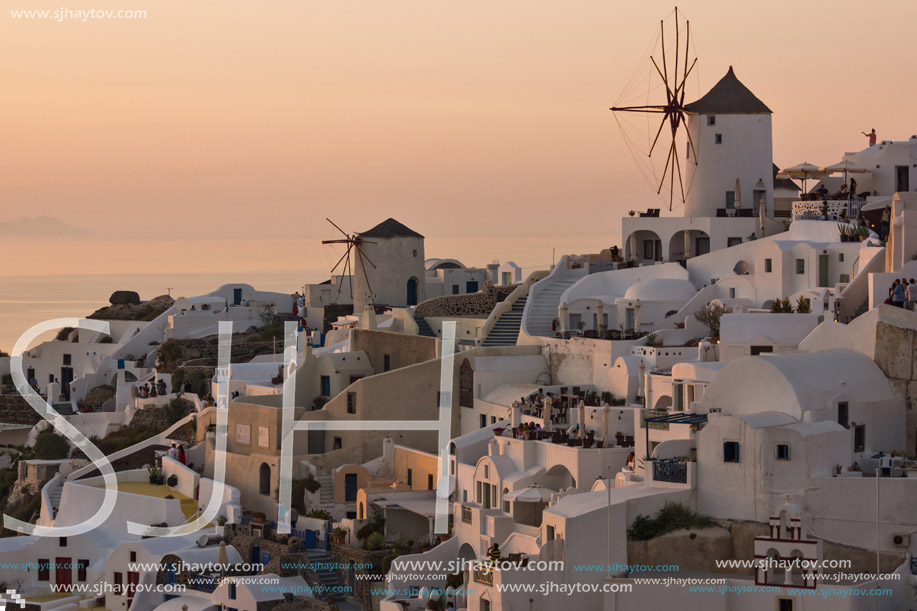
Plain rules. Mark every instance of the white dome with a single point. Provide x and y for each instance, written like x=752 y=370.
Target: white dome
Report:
x=661 y=289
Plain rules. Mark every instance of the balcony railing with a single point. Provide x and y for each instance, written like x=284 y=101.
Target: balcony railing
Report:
x=834 y=208
x=484 y=575
x=672 y=471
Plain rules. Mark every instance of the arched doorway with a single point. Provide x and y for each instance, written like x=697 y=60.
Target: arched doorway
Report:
x=643 y=246
x=264 y=479
x=412 y=291
x=688 y=243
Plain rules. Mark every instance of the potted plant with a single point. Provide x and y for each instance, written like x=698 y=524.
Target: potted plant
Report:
x=425 y=545
x=631 y=212
x=339 y=535
x=155 y=474
x=837 y=469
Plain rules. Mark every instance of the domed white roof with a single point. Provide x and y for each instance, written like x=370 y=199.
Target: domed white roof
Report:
x=661 y=289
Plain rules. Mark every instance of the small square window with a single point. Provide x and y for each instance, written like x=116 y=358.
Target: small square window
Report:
x=730 y=451
x=800 y=266
x=840 y=257
x=711 y=119
x=386 y=362
x=67 y=360
x=351 y=403
x=732 y=292
x=62 y=541
x=733 y=242
x=718 y=139
x=44 y=569
x=133 y=557
x=337 y=444
x=768 y=266
x=410 y=477
x=783 y=451
x=415 y=252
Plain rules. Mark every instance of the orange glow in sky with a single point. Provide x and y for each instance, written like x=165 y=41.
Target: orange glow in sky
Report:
x=245 y=119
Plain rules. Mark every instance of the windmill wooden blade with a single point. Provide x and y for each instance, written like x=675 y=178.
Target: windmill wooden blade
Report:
x=672 y=108
x=369 y=287
x=346 y=254
x=338 y=228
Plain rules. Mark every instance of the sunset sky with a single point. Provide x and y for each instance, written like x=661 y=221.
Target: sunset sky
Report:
x=223 y=121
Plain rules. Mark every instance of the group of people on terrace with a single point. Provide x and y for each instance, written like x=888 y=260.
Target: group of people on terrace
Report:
x=903 y=294
x=156 y=389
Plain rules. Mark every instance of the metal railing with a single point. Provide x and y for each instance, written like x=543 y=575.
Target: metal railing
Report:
x=672 y=471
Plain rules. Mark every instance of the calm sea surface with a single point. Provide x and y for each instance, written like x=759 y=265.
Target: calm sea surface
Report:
x=28 y=300
x=86 y=271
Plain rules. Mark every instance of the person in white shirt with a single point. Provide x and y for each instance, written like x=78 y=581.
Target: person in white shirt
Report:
x=173 y=452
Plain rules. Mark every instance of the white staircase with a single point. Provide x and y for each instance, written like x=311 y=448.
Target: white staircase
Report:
x=544 y=298
x=326 y=492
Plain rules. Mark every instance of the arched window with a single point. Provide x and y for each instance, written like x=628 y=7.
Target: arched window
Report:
x=264 y=480
x=466 y=384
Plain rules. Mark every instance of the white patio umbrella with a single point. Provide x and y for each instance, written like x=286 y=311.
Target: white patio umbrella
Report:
x=803 y=171
x=548 y=404
x=606 y=416
x=738 y=194
x=762 y=214
x=581 y=431
x=848 y=167
x=222 y=558
x=530 y=494
x=637 y=306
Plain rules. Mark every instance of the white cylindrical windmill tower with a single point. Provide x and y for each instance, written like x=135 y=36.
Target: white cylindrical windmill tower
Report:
x=388 y=267
x=731 y=132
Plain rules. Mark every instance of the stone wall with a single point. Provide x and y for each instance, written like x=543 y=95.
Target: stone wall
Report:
x=894 y=354
x=733 y=540
x=344 y=555
x=302 y=603
x=481 y=303
x=15 y=410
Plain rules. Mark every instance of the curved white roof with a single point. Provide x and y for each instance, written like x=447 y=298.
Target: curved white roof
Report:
x=797 y=383
x=661 y=289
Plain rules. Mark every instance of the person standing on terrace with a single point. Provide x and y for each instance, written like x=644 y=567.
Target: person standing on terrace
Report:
x=872 y=136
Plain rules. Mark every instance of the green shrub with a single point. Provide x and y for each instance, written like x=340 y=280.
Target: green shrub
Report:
x=374 y=526
x=319 y=514
x=374 y=541
x=64 y=334
x=672 y=517
x=169 y=353
x=51 y=446
x=311 y=484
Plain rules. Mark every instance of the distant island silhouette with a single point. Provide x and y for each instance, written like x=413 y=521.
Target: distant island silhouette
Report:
x=39 y=226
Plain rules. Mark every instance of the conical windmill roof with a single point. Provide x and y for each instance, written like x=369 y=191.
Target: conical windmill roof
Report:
x=728 y=97
x=390 y=228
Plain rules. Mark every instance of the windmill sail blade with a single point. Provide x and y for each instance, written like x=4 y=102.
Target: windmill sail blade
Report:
x=346 y=254
x=363 y=256
x=338 y=228
x=657 y=163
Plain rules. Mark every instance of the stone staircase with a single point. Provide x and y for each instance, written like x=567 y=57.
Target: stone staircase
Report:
x=54 y=494
x=505 y=331
x=541 y=309
x=329 y=578
x=326 y=492
x=425 y=328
